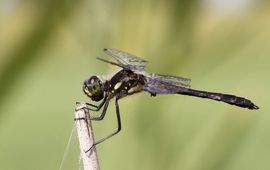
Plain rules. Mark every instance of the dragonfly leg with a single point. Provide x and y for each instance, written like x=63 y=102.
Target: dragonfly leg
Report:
x=103 y=113
x=95 y=108
x=114 y=133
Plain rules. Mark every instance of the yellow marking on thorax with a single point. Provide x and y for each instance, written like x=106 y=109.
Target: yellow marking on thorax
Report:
x=117 y=85
x=134 y=89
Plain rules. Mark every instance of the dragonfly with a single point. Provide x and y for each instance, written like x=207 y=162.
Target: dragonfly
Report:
x=132 y=79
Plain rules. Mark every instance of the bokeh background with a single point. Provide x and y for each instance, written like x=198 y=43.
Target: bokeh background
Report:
x=48 y=48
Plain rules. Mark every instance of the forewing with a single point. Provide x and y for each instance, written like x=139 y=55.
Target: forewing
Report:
x=126 y=60
x=165 y=84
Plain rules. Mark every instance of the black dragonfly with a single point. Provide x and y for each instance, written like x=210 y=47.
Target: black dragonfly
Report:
x=133 y=79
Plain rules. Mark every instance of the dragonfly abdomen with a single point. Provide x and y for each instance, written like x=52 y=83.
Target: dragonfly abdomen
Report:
x=227 y=98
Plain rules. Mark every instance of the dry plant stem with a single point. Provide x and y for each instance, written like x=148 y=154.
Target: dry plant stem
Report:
x=86 y=139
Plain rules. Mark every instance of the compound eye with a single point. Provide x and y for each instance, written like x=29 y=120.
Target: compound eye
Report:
x=87 y=90
x=93 y=88
x=97 y=86
x=93 y=80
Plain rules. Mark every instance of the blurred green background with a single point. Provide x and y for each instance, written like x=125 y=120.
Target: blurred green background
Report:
x=48 y=48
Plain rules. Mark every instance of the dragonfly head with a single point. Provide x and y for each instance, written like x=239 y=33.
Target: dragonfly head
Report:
x=93 y=88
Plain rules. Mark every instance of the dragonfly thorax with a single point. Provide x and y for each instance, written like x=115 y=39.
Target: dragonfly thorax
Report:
x=93 y=88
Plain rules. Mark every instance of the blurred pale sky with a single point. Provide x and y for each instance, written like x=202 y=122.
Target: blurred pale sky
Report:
x=230 y=6
x=8 y=5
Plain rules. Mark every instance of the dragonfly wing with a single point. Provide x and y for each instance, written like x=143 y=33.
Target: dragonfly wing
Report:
x=110 y=62
x=165 y=84
x=126 y=60
x=175 y=80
